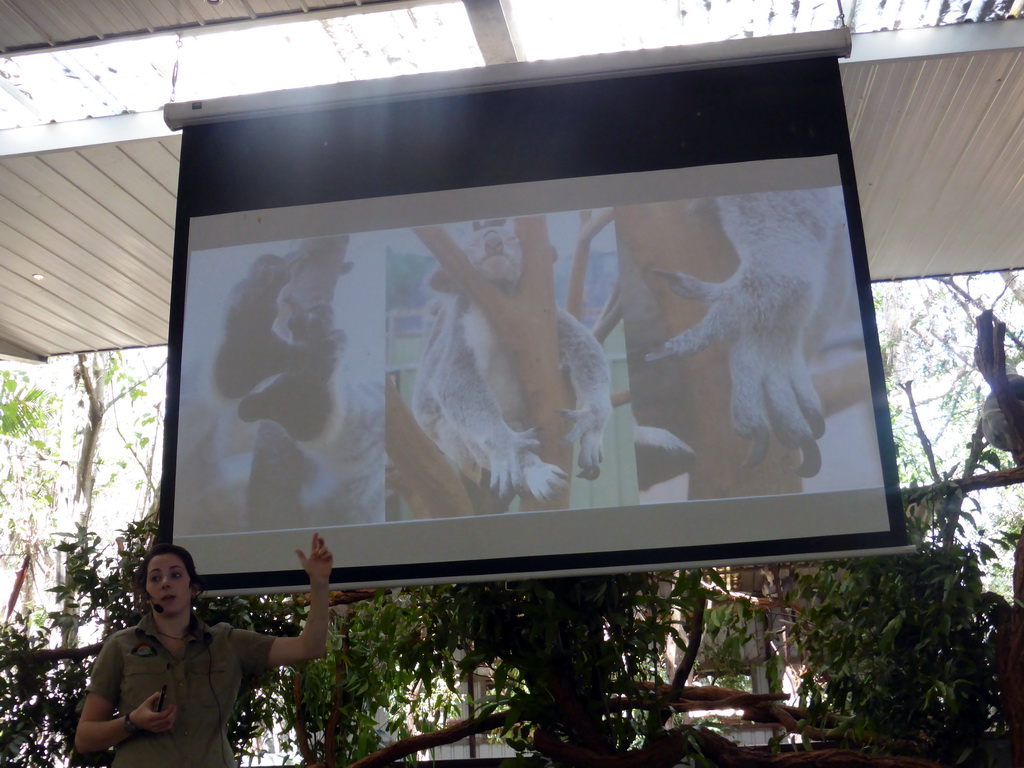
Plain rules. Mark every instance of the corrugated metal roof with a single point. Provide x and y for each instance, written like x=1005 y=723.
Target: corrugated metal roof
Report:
x=32 y=25
x=938 y=142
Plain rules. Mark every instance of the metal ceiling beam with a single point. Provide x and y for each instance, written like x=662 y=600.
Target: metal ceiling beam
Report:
x=57 y=137
x=494 y=31
x=935 y=42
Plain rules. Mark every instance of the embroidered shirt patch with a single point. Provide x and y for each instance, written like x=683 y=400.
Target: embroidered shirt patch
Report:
x=144 y=649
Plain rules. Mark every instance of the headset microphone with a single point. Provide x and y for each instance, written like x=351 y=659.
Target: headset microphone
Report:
x=158 y=608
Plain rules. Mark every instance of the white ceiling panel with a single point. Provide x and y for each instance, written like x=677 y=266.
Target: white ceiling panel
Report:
x=97 y=224
x=938 y=149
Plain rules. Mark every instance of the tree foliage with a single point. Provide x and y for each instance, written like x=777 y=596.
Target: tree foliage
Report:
x=905 y=645
x=580 y=657
x=40 y=690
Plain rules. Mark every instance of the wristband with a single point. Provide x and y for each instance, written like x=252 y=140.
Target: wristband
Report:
x=129 y=727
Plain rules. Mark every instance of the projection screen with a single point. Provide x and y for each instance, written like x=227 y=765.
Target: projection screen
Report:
x=622 y=323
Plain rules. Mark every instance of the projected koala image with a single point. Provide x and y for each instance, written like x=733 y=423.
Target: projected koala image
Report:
x=467 y=397
x=507 y=383
x=279 y=428
x=757 y=292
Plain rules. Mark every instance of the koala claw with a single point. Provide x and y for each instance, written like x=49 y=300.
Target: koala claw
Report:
x=660 y=354
x=811 y=465
x=772 y=392
x=251 y=350
x=526 y=440
x=816 y=421
x=758 y=448
x=503 y=479
x=685 y=286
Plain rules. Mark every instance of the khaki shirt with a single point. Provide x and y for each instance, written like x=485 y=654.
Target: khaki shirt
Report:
x=133 y=664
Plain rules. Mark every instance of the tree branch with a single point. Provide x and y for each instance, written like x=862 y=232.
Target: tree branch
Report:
x=565 y=694
x=589 y=229
x=134 y=386
x=90 y=435
x=302 y=738
x=668 y=751
x=19 y=583
x=725 y=754
x=611 y=315
x=65 y=654
x=694 y=635
x=974 y=455
x=421 y=474
x=926 y=444
x=998 y=479
x=447 y=735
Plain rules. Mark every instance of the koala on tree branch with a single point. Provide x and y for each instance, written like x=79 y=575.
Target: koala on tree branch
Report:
x=469 y=397
x=772 y=313
x=994 y=424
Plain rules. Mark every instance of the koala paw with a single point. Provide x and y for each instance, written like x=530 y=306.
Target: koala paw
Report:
x=540 y=479
x=518 y=469
x=587 y=427
x=761 y=317
x=772 y=394
x=502 y=456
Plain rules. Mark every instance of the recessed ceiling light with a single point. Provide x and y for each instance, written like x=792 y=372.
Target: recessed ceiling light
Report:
x=38 y=277
x=214 y=2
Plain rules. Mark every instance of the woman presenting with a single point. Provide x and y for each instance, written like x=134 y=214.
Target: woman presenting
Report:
x=163 y=690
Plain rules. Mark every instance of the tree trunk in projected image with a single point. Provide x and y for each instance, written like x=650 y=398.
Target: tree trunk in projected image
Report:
x=692 y=396
x=538 y=363
x=420 y=471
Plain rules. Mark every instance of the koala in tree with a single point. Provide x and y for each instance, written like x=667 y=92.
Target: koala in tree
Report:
x=467 y=397
x=319 y=432
x=773 y=312
x=994 y=424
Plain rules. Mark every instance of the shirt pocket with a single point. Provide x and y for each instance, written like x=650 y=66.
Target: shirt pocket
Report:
x=213 y=682
x=142 y=678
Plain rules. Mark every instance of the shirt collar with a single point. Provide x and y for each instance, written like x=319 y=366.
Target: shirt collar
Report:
x=197 y=628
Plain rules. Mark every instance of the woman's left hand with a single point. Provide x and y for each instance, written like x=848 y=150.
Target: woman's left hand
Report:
x=320 y=561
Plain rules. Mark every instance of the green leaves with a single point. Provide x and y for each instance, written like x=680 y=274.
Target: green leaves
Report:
x=593 y=640
x=905 y=645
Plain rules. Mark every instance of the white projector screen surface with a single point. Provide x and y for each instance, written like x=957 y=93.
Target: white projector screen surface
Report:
x=668 y=366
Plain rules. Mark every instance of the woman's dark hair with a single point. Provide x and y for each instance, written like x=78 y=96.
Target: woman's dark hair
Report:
x=166 y=548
